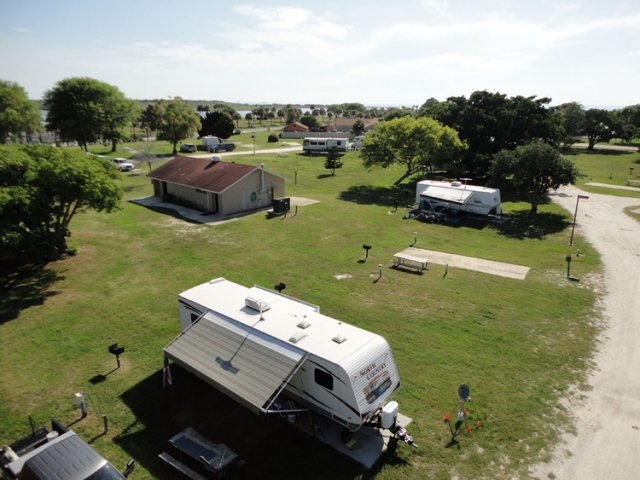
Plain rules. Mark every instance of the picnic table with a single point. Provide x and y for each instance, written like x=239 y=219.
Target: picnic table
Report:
x=216 y=457
x=405 y=260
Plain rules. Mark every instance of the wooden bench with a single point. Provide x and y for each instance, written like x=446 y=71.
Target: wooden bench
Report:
x=136 y=171
x=409 y=261
x=181 y=467
x=633 y=183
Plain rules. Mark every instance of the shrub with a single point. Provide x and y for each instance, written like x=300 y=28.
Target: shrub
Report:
x=273 y=138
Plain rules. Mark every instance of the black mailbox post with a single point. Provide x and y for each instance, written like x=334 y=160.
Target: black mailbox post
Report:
x=117 y=351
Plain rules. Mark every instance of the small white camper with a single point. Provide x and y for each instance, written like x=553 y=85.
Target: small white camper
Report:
x=456 y=196
x=322 y=144
x=256 y=345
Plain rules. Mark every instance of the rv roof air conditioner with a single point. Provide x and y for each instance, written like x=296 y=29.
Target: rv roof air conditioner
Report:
x=298 y=337
x=456 y=184
x=256 y=304
x=339 y=339
x=304 y=324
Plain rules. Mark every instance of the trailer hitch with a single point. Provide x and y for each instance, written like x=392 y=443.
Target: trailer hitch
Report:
x=401 y=432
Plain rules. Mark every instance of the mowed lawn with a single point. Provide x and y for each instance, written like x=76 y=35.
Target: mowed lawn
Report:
x=519 y=345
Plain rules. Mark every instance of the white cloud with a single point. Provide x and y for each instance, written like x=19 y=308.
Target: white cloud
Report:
x=22 y=29
x=439 y=7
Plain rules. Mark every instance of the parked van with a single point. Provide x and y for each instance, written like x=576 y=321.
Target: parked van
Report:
x=357 y=141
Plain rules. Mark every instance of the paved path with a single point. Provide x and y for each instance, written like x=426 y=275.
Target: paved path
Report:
x=606 y=146
x=607 y=418
x=250 y=152
x=619 y=187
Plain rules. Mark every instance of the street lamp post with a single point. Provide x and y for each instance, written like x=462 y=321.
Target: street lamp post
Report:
x=254 y=143
x=573 y=227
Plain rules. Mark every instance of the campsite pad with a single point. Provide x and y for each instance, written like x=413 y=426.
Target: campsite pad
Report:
x=470 y=263
x=369 y=442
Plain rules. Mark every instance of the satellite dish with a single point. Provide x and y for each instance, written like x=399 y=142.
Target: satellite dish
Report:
x=463 y=391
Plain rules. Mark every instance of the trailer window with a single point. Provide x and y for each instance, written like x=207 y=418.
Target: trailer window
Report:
x=194 y=317
x=323 y=378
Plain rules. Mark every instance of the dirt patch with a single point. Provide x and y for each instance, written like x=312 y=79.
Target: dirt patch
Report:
x=301 y=202
x=470 y=263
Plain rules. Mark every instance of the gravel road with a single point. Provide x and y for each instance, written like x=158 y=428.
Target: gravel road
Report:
x=607 y=418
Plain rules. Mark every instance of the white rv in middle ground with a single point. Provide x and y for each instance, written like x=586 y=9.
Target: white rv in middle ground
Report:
x=262 y=348
x=456 y=196
x=321 y=144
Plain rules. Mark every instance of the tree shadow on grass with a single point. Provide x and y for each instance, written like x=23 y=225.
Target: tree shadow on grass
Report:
x=376 y=195
x=522 y=224
x=24 y=287
x=267 y=443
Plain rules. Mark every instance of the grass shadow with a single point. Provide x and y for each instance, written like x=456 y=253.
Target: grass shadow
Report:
x=266 y=443
x=324 y=175
x=523 y=225
x=24 y=287
x=376 y=195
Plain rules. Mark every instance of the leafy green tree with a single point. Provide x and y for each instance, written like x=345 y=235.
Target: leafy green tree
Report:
x=42 y=188
x=429 y=103
x=219 y=124
x=18 y=114
x=490 y=122
x=358 y=127
x=411 y=142
x=177 y=121
x=599 y=126
x=150 y=118
x=248 y=117
x=333 y=161
x=628 y=122
x=310 y=121
x=394 y=112
x=82 y=109
x=573 y=118
x=292 y=114
x=281 y=114
x=117 y=112
x=534 y=169
x=237 y=117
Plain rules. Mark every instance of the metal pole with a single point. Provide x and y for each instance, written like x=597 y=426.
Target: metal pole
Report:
x=574 y=217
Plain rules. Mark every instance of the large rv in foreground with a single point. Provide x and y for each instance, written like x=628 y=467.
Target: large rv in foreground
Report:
x=256 y=345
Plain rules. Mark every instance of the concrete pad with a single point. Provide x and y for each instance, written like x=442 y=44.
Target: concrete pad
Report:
x=470 y=263
x=214 y=218
x=372 y=442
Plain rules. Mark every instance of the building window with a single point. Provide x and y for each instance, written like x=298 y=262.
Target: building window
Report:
x=194 y=317
x=323 y=378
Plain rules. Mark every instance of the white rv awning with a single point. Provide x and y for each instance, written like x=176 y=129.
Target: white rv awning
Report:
x=453 y=195
x=243 y=363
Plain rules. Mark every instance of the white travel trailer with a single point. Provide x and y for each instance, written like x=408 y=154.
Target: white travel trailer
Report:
x=320 y=144
x=256 y=345
x=456 y=196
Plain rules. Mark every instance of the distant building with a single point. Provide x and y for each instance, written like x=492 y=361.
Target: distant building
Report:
x=342 y=124
x=295 y=127
x=216 y=186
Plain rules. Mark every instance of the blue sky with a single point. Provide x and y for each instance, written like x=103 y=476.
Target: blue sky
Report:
x=374 y=52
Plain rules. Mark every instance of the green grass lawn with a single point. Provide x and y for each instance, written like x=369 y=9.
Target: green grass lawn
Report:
x=519 y=345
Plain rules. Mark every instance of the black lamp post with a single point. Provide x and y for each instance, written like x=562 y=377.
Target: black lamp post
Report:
x=569 y=250
x=367 y=248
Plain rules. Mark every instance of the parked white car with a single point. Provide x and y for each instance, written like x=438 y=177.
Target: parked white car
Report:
x=123 y=164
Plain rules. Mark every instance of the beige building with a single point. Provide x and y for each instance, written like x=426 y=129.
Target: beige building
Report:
x=216 y=186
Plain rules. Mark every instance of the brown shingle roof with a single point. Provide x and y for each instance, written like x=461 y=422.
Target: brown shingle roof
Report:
x=201 y=173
